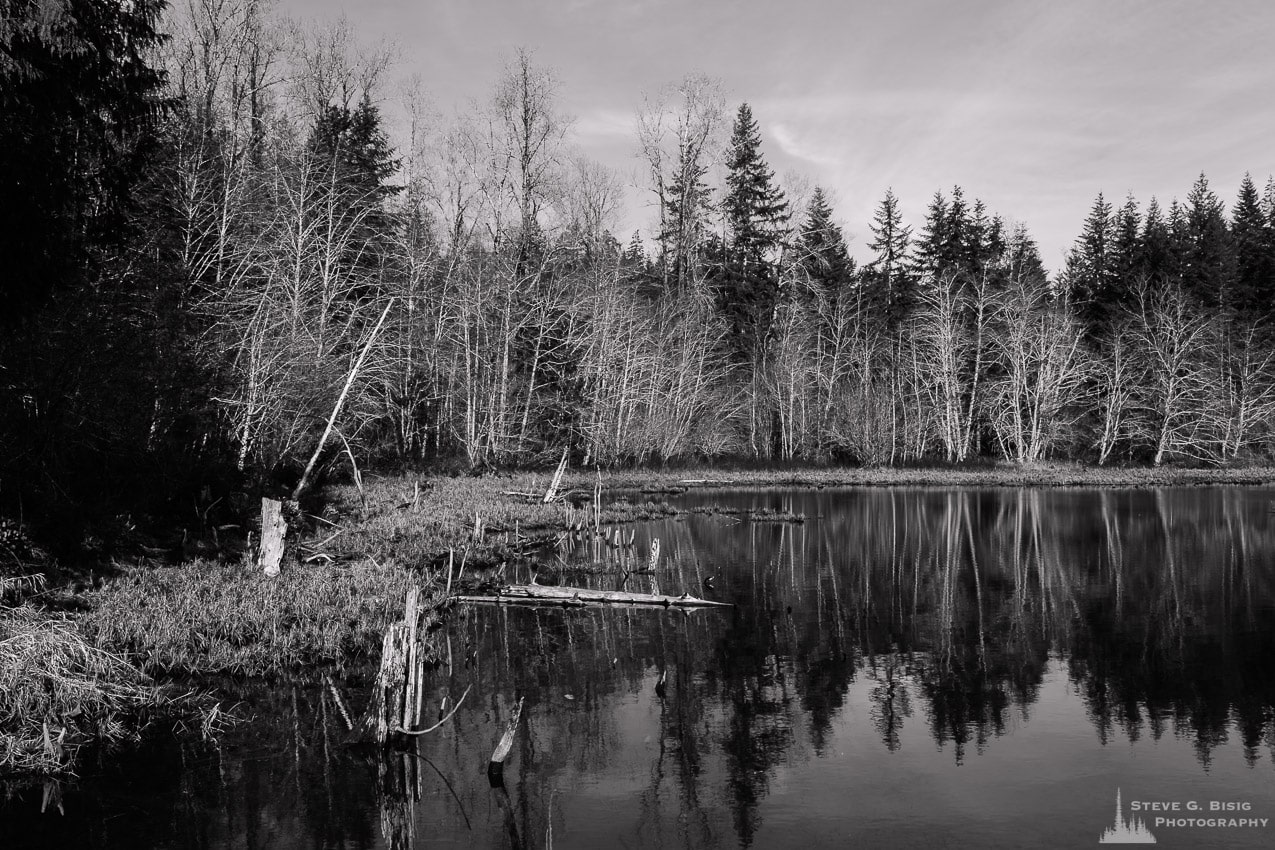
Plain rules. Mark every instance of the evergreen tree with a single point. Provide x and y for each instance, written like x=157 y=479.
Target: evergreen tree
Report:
x=823 y=252
x=353 y=151
x=1090 y=270
x=756 y=215
x=634 y=255
x=890 y=271
x=1155 y=250
x=958 y=249
x=1126 y=250
x=1179 y=243
x=1254 y=290
x=352 y=158
x=1022 y=256
x=986 y=239
x=934 y=237
x=754 y=207
x=955 y=238
x=1208 y=271
x=78 y=105
x=687 y=208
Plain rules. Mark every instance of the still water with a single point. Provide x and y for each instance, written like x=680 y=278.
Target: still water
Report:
x=905 y=668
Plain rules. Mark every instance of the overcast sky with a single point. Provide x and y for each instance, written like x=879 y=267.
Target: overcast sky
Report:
x=1032 y=106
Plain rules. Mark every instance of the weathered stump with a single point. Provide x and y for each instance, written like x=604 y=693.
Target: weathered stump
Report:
x=274 y=532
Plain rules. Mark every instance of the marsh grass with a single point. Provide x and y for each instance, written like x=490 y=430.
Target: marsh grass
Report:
x=58 y=691
x=750 y=514
x=205 y=617
x=396 y=526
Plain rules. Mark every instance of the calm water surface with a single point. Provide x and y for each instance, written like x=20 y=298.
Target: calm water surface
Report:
x=906 y=668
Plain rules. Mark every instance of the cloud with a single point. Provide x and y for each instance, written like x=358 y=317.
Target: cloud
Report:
x=605 y=122
x=792 y=142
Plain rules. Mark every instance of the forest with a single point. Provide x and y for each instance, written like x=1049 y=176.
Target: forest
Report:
x=220 y=274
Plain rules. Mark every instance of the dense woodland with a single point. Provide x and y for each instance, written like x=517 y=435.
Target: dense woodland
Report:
x=213 y=255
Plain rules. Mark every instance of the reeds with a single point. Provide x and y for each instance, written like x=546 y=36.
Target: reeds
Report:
x=207 y=617
x=58 y=691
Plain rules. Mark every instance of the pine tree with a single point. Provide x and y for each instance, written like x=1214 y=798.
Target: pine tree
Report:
x=958 y=250
x=1208 y=272
x=930 y=245
x=78 y=106
x=1179 y=243
x=1022 y=257
x=1251 y=240
x=1155 y=250
x=822 y=246
x=754 y=207
x=353 y=158
x=756 y=216
x=890 y=271
x=1090 y=273
x=986 y=239
x=1126 y=249
x=687 y=208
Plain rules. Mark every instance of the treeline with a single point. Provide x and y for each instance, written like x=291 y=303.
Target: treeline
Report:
x=205 y=229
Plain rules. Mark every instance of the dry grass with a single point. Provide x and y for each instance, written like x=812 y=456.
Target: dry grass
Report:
x=58 y=691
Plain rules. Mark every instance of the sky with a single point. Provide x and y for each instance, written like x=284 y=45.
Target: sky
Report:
x=1032 y=106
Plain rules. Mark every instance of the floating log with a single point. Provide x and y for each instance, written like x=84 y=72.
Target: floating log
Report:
x=537 y=594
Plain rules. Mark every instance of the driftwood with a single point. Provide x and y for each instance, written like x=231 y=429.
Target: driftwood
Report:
x=506 y=742
x=536 y=594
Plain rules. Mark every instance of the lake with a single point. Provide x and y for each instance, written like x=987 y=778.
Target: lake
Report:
x=910 y=667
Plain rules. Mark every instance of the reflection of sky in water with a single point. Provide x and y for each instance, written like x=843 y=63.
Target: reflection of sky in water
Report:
x=907 y=668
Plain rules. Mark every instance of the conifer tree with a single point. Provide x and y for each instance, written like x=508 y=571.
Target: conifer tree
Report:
x=353 y=158
x=1251 y=241
x=687 y=208
x=1090 y=273
x=1155 y=249
x=1126 y=249
x=823 y=252
x=754 y=207
x=79 y=101
x=1207 y=274
x=933 y=238
x=756 y=216
x=986 y=239
x=890 y=271
x=1179 y=243
x=957 y=252
x=1022 y=256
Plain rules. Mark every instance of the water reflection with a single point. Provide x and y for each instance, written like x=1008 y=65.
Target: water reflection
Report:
x=902 y=664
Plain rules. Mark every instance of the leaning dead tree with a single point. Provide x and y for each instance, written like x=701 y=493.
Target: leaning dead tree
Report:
x=274 y=525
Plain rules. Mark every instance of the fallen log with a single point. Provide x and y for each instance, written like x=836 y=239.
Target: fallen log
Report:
x=538 y=594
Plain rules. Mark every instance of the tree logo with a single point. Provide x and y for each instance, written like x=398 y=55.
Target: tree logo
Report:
x=1131 y=831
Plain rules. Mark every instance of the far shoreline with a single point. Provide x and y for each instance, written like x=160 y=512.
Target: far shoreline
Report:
x=1035 y=475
